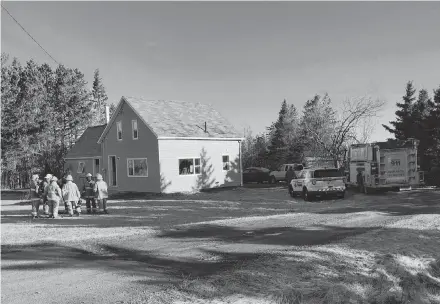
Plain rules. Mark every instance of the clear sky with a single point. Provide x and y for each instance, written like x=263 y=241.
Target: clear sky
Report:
x=244 y=58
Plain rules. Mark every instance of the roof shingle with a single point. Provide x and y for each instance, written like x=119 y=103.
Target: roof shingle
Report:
x=182 y=119
x=87 y=145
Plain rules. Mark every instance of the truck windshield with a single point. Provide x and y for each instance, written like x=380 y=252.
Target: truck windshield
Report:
x=327 y=173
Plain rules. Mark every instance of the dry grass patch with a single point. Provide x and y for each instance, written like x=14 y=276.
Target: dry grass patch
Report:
x=326 y=274
x=25 y=233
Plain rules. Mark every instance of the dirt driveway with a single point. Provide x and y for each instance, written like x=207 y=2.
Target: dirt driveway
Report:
x=227 y=246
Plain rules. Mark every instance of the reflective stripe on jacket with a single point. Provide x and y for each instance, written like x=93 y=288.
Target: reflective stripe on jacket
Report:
x=88 y=189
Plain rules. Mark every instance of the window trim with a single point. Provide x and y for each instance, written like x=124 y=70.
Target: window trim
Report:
x=223 y=163
x=135 y=158
x=132 y=129
x=83 y=167
x=118 y=123
x=94 y=166
x=194 y=164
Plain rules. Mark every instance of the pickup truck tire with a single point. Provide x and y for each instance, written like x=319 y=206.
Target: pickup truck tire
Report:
x=341 y=195
x=273 y=180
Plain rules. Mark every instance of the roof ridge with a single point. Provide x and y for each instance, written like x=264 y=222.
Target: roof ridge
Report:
x=180 y=118
x=141 y=98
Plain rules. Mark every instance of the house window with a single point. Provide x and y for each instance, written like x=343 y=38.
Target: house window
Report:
x=134 y=126
x=137 y=167
x=97 y=166
x=189 y=166
x=226 y=164
x=119 y=130
x=81 y=167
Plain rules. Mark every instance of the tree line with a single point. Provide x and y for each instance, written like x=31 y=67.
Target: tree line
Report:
x=418 y=116
x=319 y=132
x=324 y=132
x=44 y=111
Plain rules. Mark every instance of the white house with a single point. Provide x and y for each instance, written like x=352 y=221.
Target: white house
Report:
x=166 y=146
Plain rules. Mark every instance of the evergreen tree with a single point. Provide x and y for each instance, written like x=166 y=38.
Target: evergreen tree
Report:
x=402 y=126
x=277 y=148
x=99 y=99
x=420 y=127
x=43 y=113
x=9 y=140
x=434 y=124
x=260 y=148
x=318 y=126
x=112 y=110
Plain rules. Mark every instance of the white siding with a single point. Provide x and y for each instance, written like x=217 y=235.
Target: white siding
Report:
x=211 y=152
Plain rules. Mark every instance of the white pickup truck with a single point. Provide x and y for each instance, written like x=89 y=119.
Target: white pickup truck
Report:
x=280 y=175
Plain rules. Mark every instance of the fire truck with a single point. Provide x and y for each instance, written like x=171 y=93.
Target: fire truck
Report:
x=384 y=166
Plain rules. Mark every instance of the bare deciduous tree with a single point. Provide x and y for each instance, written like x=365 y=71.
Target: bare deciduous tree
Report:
x=334 y=136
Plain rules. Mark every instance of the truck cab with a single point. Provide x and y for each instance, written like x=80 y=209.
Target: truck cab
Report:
x=280 y=174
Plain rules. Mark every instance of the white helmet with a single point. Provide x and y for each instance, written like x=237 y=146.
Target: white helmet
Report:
x=89 y=175
x=98 y=176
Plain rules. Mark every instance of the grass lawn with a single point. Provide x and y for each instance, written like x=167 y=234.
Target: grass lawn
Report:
x=238 y=246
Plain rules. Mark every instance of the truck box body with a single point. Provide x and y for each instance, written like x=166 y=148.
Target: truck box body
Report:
x=359 y=153
x=385 y=165
x=394 y=167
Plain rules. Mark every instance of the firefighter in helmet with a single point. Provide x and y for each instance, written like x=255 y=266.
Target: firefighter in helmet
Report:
x=101 y=193
x=54 y=195
x=89 y=194
x=71 y=196
x=360 y=179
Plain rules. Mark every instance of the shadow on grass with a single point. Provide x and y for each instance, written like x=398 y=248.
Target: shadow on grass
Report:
x=394 y=204
x=135 y=262
x=288 y=236
x=328 y=279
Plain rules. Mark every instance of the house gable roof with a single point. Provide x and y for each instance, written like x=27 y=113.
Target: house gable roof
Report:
x=179 y=119
x=86 y=145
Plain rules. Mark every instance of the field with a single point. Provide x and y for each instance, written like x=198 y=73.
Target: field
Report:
x=246 y=245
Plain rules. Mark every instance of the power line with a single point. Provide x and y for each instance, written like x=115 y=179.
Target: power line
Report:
x=30 y=35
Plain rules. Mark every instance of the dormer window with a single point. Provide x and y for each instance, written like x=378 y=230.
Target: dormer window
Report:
x=119 y=130
x=134 y=126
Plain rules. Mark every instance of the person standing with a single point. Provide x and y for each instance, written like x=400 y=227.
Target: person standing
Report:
x=360 y=180
x=54 y=195
x=101 y=193
x=89 y=195
x=71 y=196
x=35 y=199
x=41 y=190
x=290 y=174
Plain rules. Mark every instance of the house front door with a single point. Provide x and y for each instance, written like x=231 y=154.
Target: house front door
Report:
x=112 y=171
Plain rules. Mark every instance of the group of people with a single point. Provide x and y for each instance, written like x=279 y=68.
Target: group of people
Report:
x=51 y=191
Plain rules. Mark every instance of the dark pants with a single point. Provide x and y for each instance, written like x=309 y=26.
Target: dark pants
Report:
x=92 y=205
